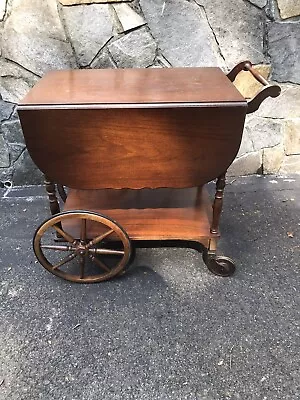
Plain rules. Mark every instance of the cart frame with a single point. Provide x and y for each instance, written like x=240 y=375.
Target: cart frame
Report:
x=94 y=235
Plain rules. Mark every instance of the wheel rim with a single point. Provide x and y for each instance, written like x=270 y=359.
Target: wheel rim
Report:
x=79 y=257
x=219 y=265
x=224 y=266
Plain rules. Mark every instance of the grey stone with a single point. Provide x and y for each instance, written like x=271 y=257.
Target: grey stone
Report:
x=26 y=172
x=292 y=136
x=136 y=49
x=287 y=105
x=15 y=114
x=4 y=153
x=272 y=11
x=15 y=81
x=161 y=61
x=6 y=110
x=263 y=132
x=289 y=8
x=291 y=164
x=135 y=5
x=239 y=29
x=182 y=32
x=103 y=60
x=129 y=19
x=272 y=159
x=246 y=165
x=33 y=36
x=246 y=144
x=5 y=175
x=155 y=65
x=260 y=133
x=89 y=28
x=15 y=151
x=78 y=2
x=259 y=3
x=12 y=131
x=284 y=44
x=2 y=9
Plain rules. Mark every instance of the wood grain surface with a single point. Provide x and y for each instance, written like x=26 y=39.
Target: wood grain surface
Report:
x=133 y=148
x=133 y=86
x=159 y=214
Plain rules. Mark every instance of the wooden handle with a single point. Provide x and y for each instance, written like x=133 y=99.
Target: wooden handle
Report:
x=268 y=90
x=255 y=73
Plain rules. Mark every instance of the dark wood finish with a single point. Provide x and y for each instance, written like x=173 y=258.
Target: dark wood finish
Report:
x=218 y=204
x=134 y=148
x=148 y=214
x=255 y=73
x=162 y=132
x=234 y=72
x=62 y=192
x=135 y=86
x=51 y=191
x=268 y=91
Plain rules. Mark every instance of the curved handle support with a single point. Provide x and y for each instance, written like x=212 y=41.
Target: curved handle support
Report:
x=268 y=90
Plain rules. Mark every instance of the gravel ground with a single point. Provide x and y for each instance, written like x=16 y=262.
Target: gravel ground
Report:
x=168 y=329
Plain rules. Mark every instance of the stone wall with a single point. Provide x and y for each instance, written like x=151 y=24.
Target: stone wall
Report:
x=41 y=35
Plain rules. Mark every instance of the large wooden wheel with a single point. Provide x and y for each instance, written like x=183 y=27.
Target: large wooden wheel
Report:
x=78 y=257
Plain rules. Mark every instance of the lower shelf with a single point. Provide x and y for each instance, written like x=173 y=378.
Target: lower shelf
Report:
x=148 y=214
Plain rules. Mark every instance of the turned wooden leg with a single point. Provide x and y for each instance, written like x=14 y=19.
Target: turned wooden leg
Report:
x=53 y=202
x=218 y=265
x=51 y=191
x=62 y=192
x=218 y=203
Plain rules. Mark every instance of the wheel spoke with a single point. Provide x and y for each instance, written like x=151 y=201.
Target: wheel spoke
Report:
x=83 y=231
x=59 y=248
x=69 y=257
x=82 y=265
x=100 y=238
x=100 y=263
x=107 y=252
x=77 y=255
x=64 y=234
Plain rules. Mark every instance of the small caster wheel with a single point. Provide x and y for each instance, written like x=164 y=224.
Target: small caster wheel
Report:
x=219 y=265
x=89 y=254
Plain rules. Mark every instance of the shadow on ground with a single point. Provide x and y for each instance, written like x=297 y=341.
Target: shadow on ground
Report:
x=168 y=329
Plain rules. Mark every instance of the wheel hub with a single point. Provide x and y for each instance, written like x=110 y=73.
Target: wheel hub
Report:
x=80 y=248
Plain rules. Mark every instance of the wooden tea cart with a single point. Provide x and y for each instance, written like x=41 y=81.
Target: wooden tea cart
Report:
x=134 y=148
